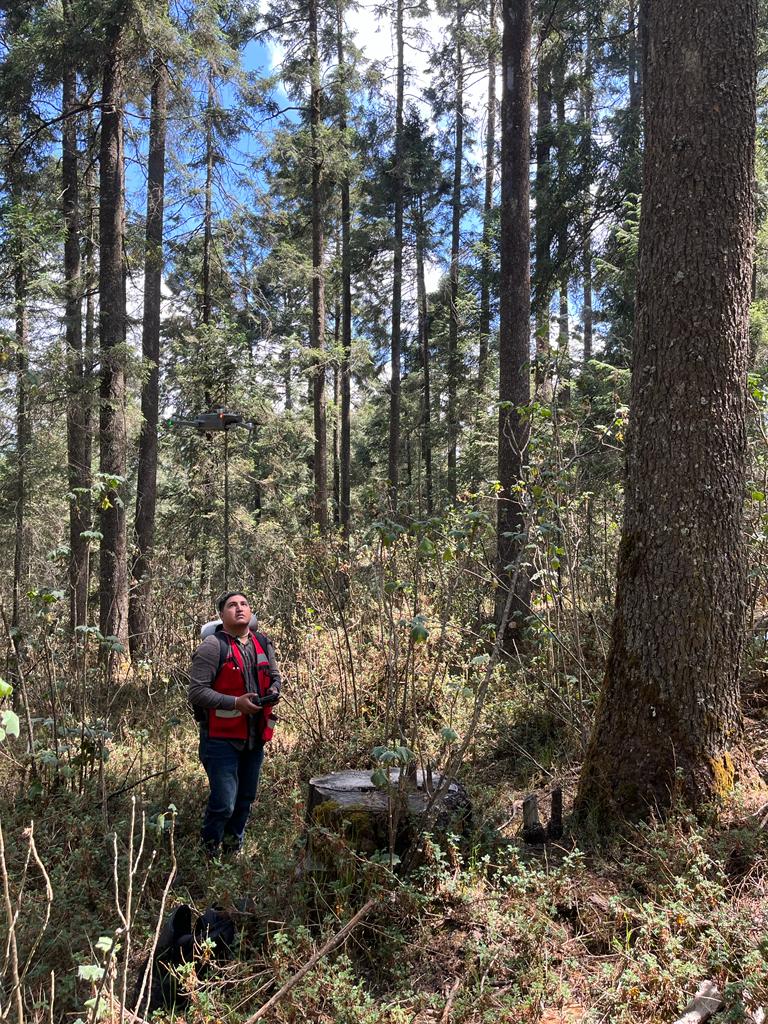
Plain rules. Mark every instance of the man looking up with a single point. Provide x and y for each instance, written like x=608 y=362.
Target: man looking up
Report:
x=234 y=683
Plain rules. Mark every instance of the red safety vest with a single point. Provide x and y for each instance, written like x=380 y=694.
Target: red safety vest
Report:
x=230 y=679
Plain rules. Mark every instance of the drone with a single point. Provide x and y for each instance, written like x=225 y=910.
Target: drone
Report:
x=207 y=422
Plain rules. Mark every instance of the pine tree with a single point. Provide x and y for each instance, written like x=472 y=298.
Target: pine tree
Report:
x=668 y=722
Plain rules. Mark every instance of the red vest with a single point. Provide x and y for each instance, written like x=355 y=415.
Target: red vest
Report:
x=230 y=679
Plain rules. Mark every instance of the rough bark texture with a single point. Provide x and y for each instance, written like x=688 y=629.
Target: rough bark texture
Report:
x=113 y=574
x=515 y=287
x=139 y=609
x=490 y=166
x=393 y=462
x=78 y=447
x=668 y=720
x=452 y=412
x=320 y=466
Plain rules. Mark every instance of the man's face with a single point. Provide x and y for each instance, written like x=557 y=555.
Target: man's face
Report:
x=236 y=614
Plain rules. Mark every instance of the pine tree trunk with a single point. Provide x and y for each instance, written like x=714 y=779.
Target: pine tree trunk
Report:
x=668 y=720
x=515 y=297
x=205 y=306
x=543 y=236
x=320 y=466
x=393 y=461
x=336 y=403
x=453 y=323
x=113 y=575
x=139 y=609
x=586 y=227
x=78 y=473
x=490 y=163
x=345 y=452
x=563 y=330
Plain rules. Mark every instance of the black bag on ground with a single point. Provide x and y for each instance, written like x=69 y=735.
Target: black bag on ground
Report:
x=176 y=945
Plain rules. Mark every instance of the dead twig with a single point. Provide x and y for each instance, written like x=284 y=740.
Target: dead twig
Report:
x=330 y=945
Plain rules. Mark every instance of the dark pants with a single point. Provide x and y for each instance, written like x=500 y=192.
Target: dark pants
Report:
x=233 y=776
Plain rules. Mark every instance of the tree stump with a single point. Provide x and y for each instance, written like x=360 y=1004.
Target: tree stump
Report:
x=347 y=811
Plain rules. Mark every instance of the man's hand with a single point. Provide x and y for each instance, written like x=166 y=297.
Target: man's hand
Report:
x=272 y=696
x=245 y=705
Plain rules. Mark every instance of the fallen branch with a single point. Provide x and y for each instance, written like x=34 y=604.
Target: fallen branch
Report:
x=449 y=1003
x=330 y=945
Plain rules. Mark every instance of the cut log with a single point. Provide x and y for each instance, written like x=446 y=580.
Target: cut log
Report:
x=704 y=1004
x=348 y=808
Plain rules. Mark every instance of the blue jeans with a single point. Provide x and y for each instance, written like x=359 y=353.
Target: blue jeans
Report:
x=233 y=776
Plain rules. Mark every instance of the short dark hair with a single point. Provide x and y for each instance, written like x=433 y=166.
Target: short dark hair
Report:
x=221 y=601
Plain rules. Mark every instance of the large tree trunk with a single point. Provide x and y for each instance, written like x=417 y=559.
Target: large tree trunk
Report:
x=452 y=412
x=113 y=575
x=490 y=164
x=139 y=609
x=393 y=461
x=78 y=471
x=345 y=459
x=320 y=466
x=668 y=721
x=515 y=299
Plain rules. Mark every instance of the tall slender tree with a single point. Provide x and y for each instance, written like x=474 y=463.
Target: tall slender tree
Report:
x=146 y=487
x=515 y=299
x=456 y=203
x=320 y=458
x=490 y=174
x=78 y=407
x=393 y=461
x=113 y=574
x=668 y=721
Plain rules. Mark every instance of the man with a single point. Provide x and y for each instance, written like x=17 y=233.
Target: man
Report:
x=233 y=685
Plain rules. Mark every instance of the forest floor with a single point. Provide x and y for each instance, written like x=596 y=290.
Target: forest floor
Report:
x=620 y=930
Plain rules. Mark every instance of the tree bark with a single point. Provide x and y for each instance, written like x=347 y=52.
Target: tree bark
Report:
x=668 y=721
x=78 y=470
x=113 y=575
x=205 y=305
x=345 y=452
x=490 y=164
x=563 y=329
x=139 y=609
x=542 y=189
x=393 y=461
x=587 y=96
x=515 y=298
x=320 y=466
x=453 y=323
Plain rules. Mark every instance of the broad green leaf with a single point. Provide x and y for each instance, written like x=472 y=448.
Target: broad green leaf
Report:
x=10 y=722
